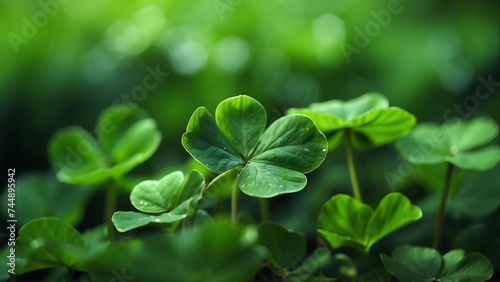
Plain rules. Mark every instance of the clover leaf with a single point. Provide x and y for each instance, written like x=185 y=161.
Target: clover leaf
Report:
x=461 y=143
x=345 y=221
x=419 y=264
x=172 y=196
x=286 y=248
x=368 y=120
x=273 y=161
x=124 y=137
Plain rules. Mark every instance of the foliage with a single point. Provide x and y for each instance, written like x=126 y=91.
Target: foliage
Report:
x=421 y=264
x=273 y=160
x=345 y=221
x=368 y=120
x=172 y=196
x=197 y=242
x=125 y=137
x=218 y=251
x=429 y=143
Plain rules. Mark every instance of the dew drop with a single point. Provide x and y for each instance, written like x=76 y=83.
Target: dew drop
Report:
x=324 y=150
x=157 y=220
x=141 y=202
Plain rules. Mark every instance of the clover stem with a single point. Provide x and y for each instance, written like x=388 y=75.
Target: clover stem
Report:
x=70 y=273
x=369 y=261
x=111 y=198
x=234 y=199
x=264 y=209
x=350 y=162
x=215 y=180
x=442 y=206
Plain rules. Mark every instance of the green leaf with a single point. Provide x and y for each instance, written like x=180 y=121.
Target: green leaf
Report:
x=41 y=195
x=173 y=196
x=460 y=143
x=274 y=160
x=420 y=264
x=291 y=142
x=125 y=138
x=128 y=220
x=345 y=221
x=460 y=267
x=417 y=264
x=207 y=144
x=286 y=248
x=393 y=212
x=157 y=196
x=470 y=201
x=478 y=131
x=47 y=242
x=368 y=119
x=76 y=157
x=216 y=251
x=242 y=120
x=265 y=181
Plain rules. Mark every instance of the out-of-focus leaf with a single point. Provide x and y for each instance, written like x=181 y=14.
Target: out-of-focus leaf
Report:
x=368 y=119
x=421 y=264
x=41 y=195
x=286 y=248
x=216 y=251
x=458 y=143
x=125 y=138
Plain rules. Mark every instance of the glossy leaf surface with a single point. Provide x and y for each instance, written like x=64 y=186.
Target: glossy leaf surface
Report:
x=173 y=196
x=274 y=160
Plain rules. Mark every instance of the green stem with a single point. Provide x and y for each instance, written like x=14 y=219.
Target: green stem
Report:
x=442 y=206
x=369 y=261
x=234 y=199
x=350 y=162
x=215 y=180
x=111 y=198
x=70 y=273
x=264 y=209
x=205 y=189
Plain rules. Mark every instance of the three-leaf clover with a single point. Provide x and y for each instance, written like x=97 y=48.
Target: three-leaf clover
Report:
x=345 y=221
x=368 y=120
x=124 y=137
x=167 y=200
x=419 y=264
x=461 y=143
x=272 y=161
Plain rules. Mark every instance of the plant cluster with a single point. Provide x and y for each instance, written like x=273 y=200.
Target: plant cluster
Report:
x=194 y=243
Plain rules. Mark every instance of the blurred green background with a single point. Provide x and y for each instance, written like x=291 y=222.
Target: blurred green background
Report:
x=63 y=62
